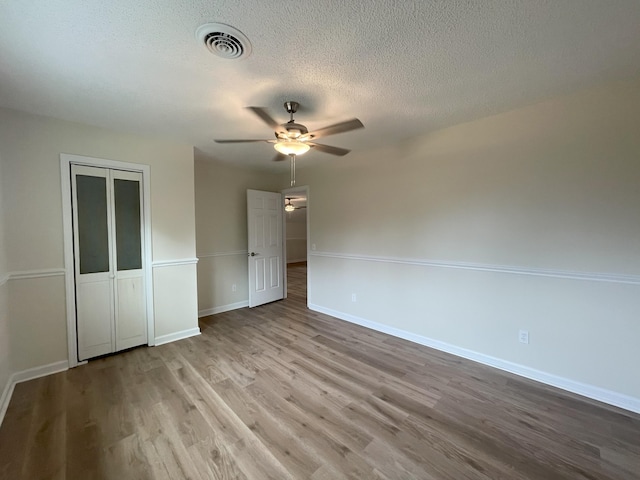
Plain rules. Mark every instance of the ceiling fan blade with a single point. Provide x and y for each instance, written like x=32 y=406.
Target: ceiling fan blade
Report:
x=242 y=141
x=329 y=149
x=280 y=157
x=265 y=117
x=341 y=127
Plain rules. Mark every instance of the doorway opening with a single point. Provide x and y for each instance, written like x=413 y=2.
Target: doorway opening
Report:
x=296 y=241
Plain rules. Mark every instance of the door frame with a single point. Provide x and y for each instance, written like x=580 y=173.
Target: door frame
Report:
x=66 y=160
x=284 y=193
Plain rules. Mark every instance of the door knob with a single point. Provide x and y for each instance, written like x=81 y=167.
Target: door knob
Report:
x=253 y=254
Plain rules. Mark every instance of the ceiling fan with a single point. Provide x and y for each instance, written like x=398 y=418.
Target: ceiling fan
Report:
x=290 y=207
x=292 y=139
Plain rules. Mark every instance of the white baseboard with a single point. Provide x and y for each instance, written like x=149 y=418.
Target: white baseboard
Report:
x=595 y=393
x=222 y=308
x=25 y=375
x=172 y=337
x=6 y=398
x=41 y=371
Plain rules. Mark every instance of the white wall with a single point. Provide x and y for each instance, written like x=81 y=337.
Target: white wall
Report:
x=30 y=148
x=221 y=218
x=524 y=220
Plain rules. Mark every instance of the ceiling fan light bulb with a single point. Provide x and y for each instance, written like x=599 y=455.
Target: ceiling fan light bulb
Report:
x=291 y=147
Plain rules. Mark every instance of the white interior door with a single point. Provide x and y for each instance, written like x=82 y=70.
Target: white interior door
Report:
x=108 y=260
x=266 y=276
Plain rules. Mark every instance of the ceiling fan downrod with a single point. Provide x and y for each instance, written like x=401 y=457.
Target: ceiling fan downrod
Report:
x=291 y=108
x=293 y=170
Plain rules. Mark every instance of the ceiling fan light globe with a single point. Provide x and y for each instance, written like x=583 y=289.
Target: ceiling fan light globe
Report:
x=289 y=208
x=291 y=147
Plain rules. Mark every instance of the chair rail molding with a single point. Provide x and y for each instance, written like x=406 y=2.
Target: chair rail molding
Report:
x=222 y=254
x=39 y=273
x=174 y=262
x=507 y=269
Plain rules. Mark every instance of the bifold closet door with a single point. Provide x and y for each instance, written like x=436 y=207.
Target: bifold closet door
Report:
x=109 y=260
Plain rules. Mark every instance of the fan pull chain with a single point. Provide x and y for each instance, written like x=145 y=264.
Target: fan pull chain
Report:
x=293 y=170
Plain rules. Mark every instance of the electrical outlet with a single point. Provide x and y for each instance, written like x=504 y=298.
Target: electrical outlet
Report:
x=313 y=247
x=233 y=287
x=353 y=297
x=523 y=336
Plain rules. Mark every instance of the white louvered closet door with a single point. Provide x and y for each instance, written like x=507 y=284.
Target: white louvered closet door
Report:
x=108 y=260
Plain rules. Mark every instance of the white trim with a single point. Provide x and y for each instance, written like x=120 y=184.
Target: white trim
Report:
x=517 y=270
x=66 y=160
x=223 y=254
x=222 y=308
x=5 y=398
x=148 y=248
x=25 y=375
x=172 y=337
x=41 y=371
x=590 y=391
x=42 y=273
x=175 y=262
x=67 y=231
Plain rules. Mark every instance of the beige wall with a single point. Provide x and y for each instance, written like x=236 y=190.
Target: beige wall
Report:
x=30 y=148
x=175 y=302
x=525 y=220
x=221 y=218
x=296 y=223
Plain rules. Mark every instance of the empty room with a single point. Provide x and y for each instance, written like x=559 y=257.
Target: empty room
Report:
x=320 y=240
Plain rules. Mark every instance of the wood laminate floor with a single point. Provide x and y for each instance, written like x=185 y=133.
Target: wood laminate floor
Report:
x=280 y=392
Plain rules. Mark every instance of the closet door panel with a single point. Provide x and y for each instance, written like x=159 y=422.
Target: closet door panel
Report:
x=94 y=304
x=131 y=312
x=128 y=223
x=93 y=265
x=131 y=325
x=92 y=222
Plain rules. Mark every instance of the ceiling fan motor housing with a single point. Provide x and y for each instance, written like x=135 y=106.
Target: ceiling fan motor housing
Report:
x=292 y=130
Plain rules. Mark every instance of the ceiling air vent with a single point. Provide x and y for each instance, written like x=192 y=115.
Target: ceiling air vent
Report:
x=224 y=41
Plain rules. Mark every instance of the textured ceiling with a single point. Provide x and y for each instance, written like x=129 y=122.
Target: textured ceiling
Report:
x=402 y=67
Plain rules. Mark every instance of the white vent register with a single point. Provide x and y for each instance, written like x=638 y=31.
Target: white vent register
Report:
x=224 y=41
